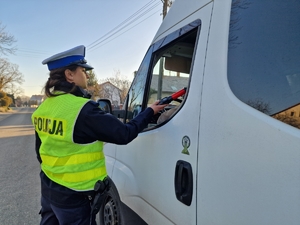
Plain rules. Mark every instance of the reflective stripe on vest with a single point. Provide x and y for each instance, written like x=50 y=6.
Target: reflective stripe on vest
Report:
x=76 y=166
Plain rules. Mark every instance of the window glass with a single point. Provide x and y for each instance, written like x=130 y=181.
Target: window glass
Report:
x=136 y=92
x=171 y=72
x=264 y=56
x=173 y=36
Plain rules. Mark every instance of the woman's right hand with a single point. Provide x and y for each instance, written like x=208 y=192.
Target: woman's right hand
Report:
x=156 y=108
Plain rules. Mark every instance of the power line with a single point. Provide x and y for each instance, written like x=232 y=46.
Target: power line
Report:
x=130 y=20
x=122 y=23
x=91 y=48
x=123 y=32
x=31 y=51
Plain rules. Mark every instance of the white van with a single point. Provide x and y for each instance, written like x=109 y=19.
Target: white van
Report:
x=229 y=151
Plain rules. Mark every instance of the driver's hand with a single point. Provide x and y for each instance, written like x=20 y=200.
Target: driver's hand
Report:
x=156 y=108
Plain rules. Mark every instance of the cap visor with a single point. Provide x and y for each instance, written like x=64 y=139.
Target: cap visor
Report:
x=86 y=66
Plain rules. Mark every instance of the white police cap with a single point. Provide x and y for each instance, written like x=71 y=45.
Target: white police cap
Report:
x=74 y=56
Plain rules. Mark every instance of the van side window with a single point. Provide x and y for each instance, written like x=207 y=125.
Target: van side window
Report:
x=171 y=73
x=134 y=100
x=263 y=57
x=164 y=71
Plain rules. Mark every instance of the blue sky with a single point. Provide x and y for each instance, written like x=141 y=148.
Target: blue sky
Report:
x=117 y=34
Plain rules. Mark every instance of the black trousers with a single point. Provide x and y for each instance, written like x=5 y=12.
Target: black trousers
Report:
x=53 y=215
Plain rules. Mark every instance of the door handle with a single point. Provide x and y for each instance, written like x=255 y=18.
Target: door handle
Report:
x=183 y=182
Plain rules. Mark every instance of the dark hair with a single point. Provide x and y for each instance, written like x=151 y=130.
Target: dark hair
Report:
x=56 y=78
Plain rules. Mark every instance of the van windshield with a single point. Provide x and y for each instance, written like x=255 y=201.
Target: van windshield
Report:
x=264 y=55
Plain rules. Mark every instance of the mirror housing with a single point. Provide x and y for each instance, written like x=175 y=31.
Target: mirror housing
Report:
x=105 y=105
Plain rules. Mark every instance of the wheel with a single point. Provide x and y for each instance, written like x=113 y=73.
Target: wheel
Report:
x=110 y=212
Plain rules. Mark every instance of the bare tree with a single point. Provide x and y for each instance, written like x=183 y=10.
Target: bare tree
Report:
x=236 y=6
x=24 y=100
x=9 y=74
x=12 y=88
x=93 y=87
x=6 y=42
x=92 y=81
x=260 y=105
x=110 y=91
x=120 y=82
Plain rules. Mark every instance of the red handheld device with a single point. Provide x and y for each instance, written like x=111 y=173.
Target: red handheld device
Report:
x=167 y=100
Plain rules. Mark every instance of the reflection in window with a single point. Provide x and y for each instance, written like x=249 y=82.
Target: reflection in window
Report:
x=263 y=56
x=289 y=116
x=136 y=93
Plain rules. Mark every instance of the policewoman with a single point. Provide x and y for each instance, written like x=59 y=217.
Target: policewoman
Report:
x=70 y=131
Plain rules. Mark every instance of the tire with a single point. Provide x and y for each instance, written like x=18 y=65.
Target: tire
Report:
x=110 y=212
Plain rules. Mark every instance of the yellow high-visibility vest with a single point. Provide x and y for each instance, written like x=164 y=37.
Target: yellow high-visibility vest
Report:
x=75 y=166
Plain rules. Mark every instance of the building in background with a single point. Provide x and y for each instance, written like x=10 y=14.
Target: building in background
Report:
x=35 y=100
x=109 y=91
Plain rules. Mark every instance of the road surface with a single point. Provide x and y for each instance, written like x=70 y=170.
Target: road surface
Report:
x=19 y=170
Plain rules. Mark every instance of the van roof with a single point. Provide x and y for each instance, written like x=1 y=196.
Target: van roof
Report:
x=179 y=10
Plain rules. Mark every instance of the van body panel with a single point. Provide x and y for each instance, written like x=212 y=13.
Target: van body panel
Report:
x=245 y=164
x=248 y=162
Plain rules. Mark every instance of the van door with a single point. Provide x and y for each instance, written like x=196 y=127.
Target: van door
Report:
x=156 y=173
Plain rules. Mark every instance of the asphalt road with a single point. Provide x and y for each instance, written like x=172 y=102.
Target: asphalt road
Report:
x=19 y=170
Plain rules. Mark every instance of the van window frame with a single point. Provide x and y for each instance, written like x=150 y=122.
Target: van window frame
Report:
x=153 y=49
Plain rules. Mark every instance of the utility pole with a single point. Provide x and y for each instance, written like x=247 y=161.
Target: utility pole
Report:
x=165 y=7
x=166 y=4
x=161 y=61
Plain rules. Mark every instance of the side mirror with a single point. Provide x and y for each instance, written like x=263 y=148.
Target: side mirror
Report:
x=105 y=105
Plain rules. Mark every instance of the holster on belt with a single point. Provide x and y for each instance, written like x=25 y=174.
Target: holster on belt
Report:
x=101 y=188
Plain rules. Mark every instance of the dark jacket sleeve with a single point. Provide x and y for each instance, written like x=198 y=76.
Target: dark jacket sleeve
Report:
x=37 y=146
x=94 y=124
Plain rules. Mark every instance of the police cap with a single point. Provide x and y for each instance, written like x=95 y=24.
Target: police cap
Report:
x=74 y=56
